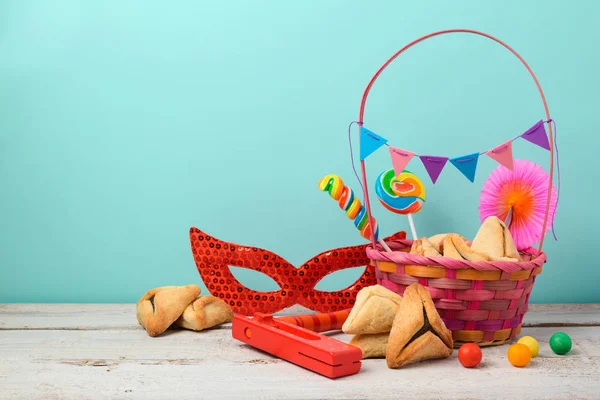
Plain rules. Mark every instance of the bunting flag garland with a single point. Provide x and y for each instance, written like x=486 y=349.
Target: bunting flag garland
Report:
x=503 y=154
x=537 y=135
x=434 y=165
x=467 y=165
x=400 y=158
x=369 y=142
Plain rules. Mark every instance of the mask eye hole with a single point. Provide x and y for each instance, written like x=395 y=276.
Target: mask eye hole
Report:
x=254 y=280
x=339 y=280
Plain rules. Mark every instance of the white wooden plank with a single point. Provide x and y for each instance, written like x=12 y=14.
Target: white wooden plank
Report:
x=122 y=316
x=68 y=316
x=562 y=315
x=80 y=316
x=210 y=364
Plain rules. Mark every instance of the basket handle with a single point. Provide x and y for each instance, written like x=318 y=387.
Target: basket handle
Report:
x=411 y=44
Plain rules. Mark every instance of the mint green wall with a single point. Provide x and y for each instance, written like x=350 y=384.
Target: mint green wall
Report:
x=123 y=123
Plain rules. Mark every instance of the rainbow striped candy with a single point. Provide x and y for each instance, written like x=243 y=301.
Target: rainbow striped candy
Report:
x=402 y=194
x=348 y=202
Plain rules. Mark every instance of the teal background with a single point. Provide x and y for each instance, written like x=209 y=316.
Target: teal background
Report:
x=124 y=123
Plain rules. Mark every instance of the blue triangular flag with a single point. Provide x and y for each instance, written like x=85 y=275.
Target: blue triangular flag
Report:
x=467 y=165
x=369 y=142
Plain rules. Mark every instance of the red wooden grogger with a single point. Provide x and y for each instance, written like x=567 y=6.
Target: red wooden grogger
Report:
x=314 y=351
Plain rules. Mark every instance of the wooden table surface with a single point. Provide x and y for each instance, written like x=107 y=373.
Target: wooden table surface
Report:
x=93 y=351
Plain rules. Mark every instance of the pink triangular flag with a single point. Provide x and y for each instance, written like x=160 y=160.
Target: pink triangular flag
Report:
x=400 y=159
x=434 y=165
x=503 y=154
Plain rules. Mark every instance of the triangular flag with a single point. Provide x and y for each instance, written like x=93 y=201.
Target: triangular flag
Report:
x=467 y=165
x=400 y=159
x=537 y=135
x=434 y=165
x=369 y=142
x=503 y=154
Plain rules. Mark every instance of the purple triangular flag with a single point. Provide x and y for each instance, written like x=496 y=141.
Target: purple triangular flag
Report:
x=537 y=135
x=434 y=165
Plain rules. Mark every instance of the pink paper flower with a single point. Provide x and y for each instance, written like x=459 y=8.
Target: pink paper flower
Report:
x=525 y=190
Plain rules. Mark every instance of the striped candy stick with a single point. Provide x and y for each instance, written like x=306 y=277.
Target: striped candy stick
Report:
x=348 y=202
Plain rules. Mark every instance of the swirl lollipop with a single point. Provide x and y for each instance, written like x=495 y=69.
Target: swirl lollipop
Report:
x=402 y=194
x=334 y=185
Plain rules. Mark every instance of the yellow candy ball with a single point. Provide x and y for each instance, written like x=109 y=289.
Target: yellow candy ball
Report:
x=530 y=342
x=519 y=355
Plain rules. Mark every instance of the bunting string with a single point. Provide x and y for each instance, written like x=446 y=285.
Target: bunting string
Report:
x=482 y=153
x=558 y=172
x=352 y=155
x=466 y=164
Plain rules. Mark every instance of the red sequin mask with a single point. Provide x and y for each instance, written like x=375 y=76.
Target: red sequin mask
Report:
x=297 y=285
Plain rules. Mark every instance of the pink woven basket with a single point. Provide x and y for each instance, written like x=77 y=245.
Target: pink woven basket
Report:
x=480 y=302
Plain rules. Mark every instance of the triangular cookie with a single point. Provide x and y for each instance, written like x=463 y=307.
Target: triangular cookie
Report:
x=510 y=250
x=205 y=312
x=450 y=250
x=437 y=241
x=489 y=238
x=371 y=345
x=423 y=247
x=495 y=240
x=418 y=332
x=161 y=306
x=373 y=311
x=466 y=252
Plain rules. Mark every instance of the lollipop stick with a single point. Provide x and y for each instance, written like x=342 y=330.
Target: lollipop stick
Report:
x=412 y=226
x=384 y=245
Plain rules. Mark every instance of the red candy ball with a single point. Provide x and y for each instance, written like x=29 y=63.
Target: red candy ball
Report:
x=469 y=355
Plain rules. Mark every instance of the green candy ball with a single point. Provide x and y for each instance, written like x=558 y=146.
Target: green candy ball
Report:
x=560 y=343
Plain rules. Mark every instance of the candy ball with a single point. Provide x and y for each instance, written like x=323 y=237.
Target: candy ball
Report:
x=469 y=355
x=519 y=355
x=530 y=342
x=560 y=343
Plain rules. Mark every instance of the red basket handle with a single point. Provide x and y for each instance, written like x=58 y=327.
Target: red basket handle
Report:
x=408 y=46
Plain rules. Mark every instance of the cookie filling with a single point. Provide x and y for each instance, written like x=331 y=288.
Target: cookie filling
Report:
x=424 y=329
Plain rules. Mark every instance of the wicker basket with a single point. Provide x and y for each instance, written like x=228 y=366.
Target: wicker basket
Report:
x=480 y=302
